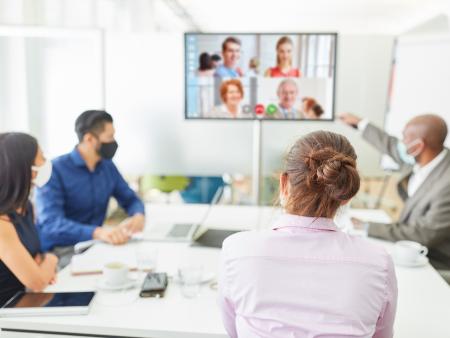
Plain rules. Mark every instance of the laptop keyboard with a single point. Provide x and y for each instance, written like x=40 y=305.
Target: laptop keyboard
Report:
x=180 y=230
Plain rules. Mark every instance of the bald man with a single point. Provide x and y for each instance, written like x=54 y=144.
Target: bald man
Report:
x=424 y=186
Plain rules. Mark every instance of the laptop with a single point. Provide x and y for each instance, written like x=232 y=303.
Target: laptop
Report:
x=47 y=304
x=181 y=232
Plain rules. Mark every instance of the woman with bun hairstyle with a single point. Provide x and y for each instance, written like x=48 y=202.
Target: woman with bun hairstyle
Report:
x=305 y=277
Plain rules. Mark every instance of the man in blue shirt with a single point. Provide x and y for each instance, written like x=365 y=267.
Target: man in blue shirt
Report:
x=72 y=206
x=231 y=52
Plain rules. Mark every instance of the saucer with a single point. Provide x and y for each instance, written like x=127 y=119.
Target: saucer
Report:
x=421 y=261
x=102 y=285
x=207 y=277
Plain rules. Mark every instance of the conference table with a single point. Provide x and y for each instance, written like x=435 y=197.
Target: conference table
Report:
x=423 y=301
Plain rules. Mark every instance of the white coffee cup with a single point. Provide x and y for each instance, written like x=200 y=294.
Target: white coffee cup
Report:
x=409 y=251
x=115 y=273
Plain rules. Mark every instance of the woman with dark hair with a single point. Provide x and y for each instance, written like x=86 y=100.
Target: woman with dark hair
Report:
x=22 y=265
x=205 y=65
x=305 y=277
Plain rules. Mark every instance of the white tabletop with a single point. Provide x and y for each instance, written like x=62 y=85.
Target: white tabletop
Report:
x=423 y=304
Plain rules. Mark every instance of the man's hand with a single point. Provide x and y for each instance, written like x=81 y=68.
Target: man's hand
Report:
x=350 y=119
x=133 y=224
x=116 y=236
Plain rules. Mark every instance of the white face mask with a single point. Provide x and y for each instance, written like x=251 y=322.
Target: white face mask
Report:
x=43 y=174
x=405 y=155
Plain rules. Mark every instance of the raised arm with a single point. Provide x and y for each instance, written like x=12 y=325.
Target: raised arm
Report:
x=382 y=141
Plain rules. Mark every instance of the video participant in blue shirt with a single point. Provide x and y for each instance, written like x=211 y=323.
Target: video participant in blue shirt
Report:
x=231 y=52
x=72 y=206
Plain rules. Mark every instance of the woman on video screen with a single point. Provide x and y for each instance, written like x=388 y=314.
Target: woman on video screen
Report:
x=231 y=94
x=284 y=60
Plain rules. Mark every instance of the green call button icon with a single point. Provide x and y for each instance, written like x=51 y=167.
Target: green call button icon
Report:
x=271 y=109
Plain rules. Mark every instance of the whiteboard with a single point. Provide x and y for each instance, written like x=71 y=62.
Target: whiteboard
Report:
x=420 y=82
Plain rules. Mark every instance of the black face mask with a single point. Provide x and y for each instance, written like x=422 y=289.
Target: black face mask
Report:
x=108 y=150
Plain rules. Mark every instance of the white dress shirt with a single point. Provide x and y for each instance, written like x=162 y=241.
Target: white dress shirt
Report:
x=419 y=173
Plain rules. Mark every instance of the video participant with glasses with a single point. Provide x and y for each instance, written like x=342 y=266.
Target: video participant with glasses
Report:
x=424 y=185
x=305 y=277
x=22 y=263
x=287 y=95
x=72 y=207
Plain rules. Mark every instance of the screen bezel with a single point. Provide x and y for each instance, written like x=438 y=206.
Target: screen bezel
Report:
x=333 y=109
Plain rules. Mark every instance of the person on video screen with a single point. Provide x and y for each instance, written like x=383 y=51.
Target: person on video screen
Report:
x=253 y=67
x=215 y=60
x=287 y=95
x=284 y=60
x=311 y=110
x=231 y=52
x=231 y=94
x=205 y=65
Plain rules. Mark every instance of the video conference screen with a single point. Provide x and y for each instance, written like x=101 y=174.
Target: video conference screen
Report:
x=260 y=76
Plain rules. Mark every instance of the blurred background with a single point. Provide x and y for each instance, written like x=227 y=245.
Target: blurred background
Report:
x=61 y=57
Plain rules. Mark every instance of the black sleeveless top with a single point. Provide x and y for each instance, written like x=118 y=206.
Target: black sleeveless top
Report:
x=28 y=235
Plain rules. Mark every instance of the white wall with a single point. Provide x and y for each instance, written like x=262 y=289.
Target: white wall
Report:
x=145 y=94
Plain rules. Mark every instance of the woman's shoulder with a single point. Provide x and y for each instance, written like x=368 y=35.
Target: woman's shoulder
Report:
x=368 y=250
x=243 y=239
x=270 y=72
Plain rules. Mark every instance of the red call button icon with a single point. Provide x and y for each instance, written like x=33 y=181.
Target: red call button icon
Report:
x=259 y=109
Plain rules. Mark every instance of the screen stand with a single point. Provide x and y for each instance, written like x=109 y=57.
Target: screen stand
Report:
x=256 y=170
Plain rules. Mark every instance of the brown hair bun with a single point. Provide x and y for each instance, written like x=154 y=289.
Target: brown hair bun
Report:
x=322 y=173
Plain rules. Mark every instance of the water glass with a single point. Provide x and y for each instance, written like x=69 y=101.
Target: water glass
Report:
x=190 y=279
x=146 y=257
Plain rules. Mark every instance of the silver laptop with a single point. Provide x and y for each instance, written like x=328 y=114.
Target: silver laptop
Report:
x=181 y=232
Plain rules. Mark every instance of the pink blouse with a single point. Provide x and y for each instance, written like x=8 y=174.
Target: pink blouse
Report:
x=306 y=278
